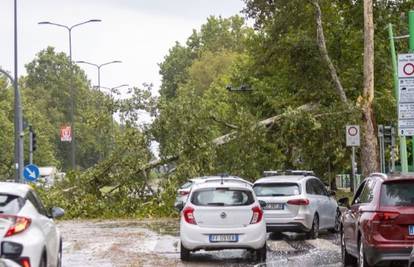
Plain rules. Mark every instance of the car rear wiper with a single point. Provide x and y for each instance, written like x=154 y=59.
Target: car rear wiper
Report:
x=278 y=195
x=216 y=204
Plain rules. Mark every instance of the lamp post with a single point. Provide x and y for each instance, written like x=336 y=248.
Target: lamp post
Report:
x=99 y=66
x=72 y=89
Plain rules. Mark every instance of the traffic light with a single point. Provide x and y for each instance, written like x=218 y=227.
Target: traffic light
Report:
x=34 y=145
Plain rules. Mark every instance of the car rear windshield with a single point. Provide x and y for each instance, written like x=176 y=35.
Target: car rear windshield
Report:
x=186 y=185
x=10 y=204
x=276 y=189
x=399 y=193
x=222 y=197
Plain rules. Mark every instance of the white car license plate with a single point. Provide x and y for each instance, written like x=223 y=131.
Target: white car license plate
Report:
x=224 y=238
x=411 y=229
x=274 y=206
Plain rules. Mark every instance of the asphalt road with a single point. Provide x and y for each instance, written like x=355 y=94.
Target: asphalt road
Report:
x=156 y=243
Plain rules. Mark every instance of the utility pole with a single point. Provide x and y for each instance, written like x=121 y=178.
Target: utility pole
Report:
x=30 y=144
x=18 y=117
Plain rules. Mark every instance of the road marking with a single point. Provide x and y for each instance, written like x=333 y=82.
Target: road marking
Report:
x=323 y=244
x=279 y=246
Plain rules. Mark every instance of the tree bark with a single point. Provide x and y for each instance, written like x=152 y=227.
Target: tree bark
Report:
x=324 y=53
x=369 y=149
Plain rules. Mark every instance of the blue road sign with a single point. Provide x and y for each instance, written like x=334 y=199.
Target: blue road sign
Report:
x=31 y=172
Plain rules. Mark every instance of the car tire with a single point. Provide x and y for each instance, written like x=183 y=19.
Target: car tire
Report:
x=314 y=231
x=184 y=253
x=362 y=261
x=337 y=226
x=261 y=254
x=59 y=257
x=347 y=259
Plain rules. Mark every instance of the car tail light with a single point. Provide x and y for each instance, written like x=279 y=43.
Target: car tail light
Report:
x=188 y=214
x=19 y=224
x=300 y=202
x=184 y=193
x=387 y=216
x=257 y=215
x=25 y=262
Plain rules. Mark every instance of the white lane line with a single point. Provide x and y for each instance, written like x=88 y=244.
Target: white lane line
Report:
x=323 y=244
x=279 y=246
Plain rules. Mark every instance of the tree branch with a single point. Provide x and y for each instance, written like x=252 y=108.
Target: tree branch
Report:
x=324 y=52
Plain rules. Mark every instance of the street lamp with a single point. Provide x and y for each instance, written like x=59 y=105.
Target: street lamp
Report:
x=99 y=66
x=72 y=90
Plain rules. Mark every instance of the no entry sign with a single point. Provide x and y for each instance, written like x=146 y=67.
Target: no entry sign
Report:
x=352 y=135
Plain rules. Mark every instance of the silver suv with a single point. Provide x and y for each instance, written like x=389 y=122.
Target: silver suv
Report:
x=297 y=201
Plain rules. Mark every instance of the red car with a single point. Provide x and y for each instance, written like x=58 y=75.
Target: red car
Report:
x=378 y=225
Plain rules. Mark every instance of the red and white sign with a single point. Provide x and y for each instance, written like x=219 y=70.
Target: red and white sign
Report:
x=352 y=135
x=66 y=133
x=406 y=65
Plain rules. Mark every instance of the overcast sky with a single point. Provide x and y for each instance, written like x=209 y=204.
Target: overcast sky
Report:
x=138 y=32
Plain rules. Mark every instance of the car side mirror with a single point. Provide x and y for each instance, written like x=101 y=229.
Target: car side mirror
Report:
x=57 y=212
x=262 y=203
x=179 y=205
x=344 y=202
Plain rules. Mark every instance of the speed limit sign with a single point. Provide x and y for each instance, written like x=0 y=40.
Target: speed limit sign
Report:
x=352 y=135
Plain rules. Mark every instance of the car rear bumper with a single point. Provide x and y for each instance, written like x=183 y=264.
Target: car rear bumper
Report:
x=375 y=255
x=286 y=227
x=194 y=237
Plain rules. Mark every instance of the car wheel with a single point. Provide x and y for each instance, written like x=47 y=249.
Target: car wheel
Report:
x=184 y=253
x=337 y=225
x=347 y=259
x=59 y=257
x=261 y=253
x=362 y=262
x=314 y=231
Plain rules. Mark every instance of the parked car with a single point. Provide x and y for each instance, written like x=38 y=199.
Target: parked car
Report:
x=222 y=215
x=30 y=236
x=184 y=190
x=411 y=261
x=8 y=263
x=297 y=201
x=378 y=225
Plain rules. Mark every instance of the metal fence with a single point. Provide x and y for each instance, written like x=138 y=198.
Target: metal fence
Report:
x=343 y=181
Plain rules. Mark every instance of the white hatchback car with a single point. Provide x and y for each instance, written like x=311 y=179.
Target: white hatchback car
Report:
x=222 y=215
x=297 y=202
x=30 y=237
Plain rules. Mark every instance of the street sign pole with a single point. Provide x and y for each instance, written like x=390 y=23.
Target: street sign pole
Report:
x=403 y=141
x=353 y=169
x=353 y=140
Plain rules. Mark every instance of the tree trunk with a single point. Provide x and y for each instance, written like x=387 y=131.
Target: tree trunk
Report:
x=369 y=149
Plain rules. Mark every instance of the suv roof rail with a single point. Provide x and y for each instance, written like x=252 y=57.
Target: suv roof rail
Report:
x=288 y=172
x=380 y=174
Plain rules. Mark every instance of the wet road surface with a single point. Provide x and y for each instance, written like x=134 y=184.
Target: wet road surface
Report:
x=156 y=243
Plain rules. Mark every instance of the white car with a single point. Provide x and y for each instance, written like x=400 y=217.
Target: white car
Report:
x=185 y=189
x=297 y=202
x=222 y=215
x=30 y=237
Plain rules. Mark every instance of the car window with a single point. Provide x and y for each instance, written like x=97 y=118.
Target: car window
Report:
x=222 y=197
x=310 y=188
x=367 y=193
x=276 y=189
x=10 y=204
x=397 y=193
x=33 y=198
x=358 y=193
x=320 y=188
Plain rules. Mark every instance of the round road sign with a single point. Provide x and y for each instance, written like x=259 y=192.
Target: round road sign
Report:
x=408 y=69
x=352 y=131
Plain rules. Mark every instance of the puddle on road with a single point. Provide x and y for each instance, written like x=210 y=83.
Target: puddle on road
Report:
x=156 y=243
